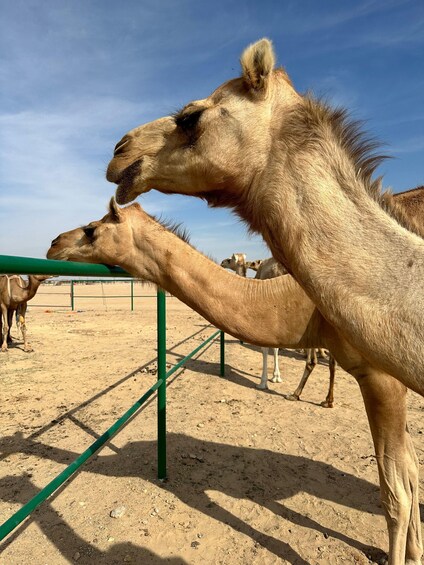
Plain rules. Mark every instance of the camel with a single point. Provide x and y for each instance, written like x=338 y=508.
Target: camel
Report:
x=14 y=296
x=254 y=265
x=267 y=269
x=237 y=262
x=299 y=173
x=257 y=311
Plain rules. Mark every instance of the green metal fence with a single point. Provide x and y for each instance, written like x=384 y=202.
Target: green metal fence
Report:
x=69 y=291
x=18 y=265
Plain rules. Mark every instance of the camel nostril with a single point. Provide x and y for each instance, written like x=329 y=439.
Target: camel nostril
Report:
x=119 y=147
x=55 y=240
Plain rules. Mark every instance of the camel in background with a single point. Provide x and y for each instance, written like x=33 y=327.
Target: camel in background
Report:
x=14 y=296
x=254 y=265
x=256 y=311
x=237 y=262
x=267 y=269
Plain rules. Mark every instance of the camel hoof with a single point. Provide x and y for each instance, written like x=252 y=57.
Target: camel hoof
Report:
x=291 y=397
x=261 y=386
x=326 y=404
x=28 y=350
x=4 y=349
x=276 y=379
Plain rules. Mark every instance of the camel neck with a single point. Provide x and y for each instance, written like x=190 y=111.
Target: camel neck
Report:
x=32 y=286
x=336 y=243
x=245 y=308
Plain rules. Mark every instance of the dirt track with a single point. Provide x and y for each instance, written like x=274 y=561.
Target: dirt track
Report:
x=253 y=478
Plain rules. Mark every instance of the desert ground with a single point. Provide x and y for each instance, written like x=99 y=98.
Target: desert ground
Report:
x=252 y=477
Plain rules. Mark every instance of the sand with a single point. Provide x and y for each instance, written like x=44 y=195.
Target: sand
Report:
x=252 y=477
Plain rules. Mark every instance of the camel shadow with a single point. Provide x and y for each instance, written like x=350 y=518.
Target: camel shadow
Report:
x=198 y=467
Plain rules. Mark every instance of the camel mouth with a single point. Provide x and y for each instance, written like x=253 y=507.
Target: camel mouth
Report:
x=54 y=254
x=126 y=191
x=125 y=194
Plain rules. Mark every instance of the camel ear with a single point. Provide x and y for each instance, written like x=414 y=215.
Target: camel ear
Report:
x=114 y=210
x=257 y=63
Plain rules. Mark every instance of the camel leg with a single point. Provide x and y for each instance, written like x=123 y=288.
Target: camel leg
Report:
x=21 y=314
x=5 y=327
x=322 y=353
x=276 y=378
x=264 y=377
x=9 y=323
x=328 y=402
x=27 y=346
x=311 y=361
x=385 y=403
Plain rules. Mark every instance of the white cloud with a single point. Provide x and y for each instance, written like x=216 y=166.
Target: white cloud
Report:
x=52 y=171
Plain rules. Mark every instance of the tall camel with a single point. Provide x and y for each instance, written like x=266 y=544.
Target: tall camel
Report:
x=300 y=173
x=14 y=295
x=237 y=262
x=257 y=311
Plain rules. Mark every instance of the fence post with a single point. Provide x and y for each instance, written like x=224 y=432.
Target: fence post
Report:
x=161 y=334
x=132 y=295
x=72 y=296
x=222 y=351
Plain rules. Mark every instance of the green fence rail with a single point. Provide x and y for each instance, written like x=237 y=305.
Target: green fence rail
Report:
x=19 y=265
x=76 y=296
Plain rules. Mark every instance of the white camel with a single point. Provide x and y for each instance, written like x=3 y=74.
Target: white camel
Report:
x=237 y=262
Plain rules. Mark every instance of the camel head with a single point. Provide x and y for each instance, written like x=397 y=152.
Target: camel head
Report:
x=254 y=265
x=233 y=261
x=216 y=145
x=237 y=263
x=102 y=241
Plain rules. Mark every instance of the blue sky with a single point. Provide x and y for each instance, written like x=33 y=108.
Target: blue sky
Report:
x=75 y=75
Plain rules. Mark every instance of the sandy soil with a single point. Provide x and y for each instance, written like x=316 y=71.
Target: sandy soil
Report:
x=253 y=478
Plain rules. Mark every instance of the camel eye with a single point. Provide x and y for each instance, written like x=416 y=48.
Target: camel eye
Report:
x=89 y=232
x=189 y=121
